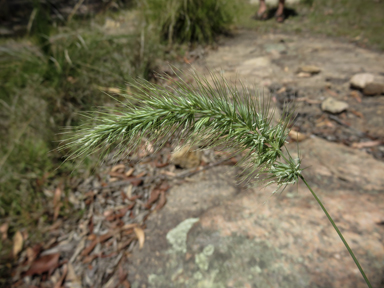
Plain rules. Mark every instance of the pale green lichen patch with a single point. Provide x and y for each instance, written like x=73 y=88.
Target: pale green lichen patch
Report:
x=208 y=250
x=177 y=237
x=217 y=262
x=202 y=259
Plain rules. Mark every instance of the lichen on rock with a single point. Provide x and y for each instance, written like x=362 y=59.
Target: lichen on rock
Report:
x=177 y=237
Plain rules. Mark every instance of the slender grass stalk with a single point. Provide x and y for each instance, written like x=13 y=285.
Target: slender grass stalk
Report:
x=209 y=114
x=338 y=232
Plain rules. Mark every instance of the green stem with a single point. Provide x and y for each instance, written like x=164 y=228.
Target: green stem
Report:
x=338 y=232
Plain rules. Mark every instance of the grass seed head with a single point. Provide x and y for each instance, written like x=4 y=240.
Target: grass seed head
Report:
x=207 y=114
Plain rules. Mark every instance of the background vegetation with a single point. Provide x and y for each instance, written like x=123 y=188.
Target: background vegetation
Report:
x=59 y=66
x=358 y=21
x=190 y=20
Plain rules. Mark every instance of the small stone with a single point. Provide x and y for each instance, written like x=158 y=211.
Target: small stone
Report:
x=297 y=136
x=258 y=62
x=372 y=89
x=186 y=157
x=334 y=106
x=304 y=75
x=361 y=80
x=309 y=69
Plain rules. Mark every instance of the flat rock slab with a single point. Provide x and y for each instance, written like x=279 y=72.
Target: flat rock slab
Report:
x=263 y=60
x=187 y=201
x=350 y=166
x=212 y=233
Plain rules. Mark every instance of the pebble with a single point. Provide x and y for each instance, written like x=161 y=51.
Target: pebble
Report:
x=304 y=74
x=309 y=69
x=186 y=157
x=297 y=136
x=361 y=80
x=333 y=106
x=258 y=62
x=372 y=89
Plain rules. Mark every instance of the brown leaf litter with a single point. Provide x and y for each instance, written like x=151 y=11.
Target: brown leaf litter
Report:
x=94 y=251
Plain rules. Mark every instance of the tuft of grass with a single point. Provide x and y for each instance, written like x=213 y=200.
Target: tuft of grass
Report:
x=185 y=21
x=49 y=78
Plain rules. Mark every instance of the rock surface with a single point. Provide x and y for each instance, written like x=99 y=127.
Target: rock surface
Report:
x=372 y=89
x=361 y=80
x=347 y=164
x=235 y=237
x=231 y=237
x=259 y=67
x=334 y=106
x=186 y=157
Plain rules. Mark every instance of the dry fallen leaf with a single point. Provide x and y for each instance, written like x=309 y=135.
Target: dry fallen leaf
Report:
x=62 y=278
x=56 y=203
x=355 y=94
x=72 y=277
x=4 y=230
x=56 y=211
x=54 y=226
x=331 y=92
x=323 y=121
x=118 y=167
x=44 y=264
x=96 y=241
x=56 y=197
x=161 y=202
x=17 y=243
x=129 y=226
x=367 y=144
x=123 y=277
x=140 y=235
x=91 y=225
x=155 y=194
x=110 y=89
x=117 y=175
x=111 y=283
x=357 y=113
x=168 y=173
x=122 y=245
x=129 y=172
x=33 y=252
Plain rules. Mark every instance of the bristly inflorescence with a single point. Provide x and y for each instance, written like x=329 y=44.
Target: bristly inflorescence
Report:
x=207 y=114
